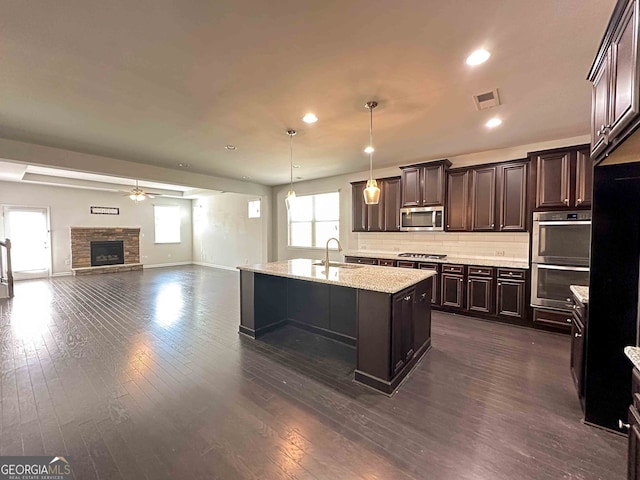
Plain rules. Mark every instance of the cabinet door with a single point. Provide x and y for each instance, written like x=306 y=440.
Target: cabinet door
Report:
x=584 y=179
x=359 y=208
x=421 y=315
x=391 y=190
x=510 y=299
x=480 y=295
x=577 y=355
x=402 y=330
x=452 y=290
x=623 y=106
x=600 y=105
x=512 y=197
x=553 y=184
x=375 y=212
x=457 y=201
x=435 y=282
x=483 y=199
x=411 y=187
x=633 y=459
x=433 y=185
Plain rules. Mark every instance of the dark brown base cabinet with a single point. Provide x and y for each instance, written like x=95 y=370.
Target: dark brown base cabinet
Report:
x=496 y=293
x=580 y=320
x=633 y=465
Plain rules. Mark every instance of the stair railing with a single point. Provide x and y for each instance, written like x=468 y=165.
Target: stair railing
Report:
x=6 y=273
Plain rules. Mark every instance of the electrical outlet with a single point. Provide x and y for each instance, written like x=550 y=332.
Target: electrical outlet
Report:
x=499 y=253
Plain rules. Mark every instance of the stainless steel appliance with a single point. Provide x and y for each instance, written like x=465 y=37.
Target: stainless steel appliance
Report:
x=417 y=219
x=560 y=257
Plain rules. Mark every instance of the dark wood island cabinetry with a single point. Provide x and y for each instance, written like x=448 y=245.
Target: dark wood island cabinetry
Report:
x=383 y=312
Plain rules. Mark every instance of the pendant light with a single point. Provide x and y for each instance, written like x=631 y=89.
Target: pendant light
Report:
x=372 y=192
x=291 y=195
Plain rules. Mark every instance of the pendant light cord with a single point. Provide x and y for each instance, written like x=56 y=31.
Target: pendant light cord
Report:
x=370 y=141
x=291 y=159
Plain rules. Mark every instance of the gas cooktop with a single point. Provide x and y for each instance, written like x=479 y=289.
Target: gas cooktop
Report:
x=424 y=255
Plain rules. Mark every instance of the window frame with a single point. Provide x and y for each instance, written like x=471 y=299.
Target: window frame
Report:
x=155 y=224
x=313 y=222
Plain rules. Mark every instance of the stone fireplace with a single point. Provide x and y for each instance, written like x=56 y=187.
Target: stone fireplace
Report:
x=104 y=250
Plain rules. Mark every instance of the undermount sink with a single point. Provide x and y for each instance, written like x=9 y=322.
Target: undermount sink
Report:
x=320 y=263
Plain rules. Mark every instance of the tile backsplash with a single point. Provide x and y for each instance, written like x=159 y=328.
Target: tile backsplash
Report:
x=508 y=245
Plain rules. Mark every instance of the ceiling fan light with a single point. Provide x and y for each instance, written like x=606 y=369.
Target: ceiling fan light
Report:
x=133 y=196
x=140 y=197
x=372 y=192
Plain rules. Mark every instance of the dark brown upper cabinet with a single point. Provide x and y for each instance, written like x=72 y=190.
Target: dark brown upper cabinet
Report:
x=423 y=185
x=615 y=78
x=562 y=178
x=483 y=199
x=456 y=210
x=488 y=198
x=383 y=217
x=512 y=197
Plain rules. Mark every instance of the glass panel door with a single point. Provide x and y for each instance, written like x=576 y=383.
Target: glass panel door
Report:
x=28 y=230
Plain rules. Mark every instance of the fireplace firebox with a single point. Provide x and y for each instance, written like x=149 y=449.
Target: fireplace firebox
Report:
x=107 y=253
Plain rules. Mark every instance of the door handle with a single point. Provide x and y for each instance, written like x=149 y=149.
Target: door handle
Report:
x=623 y=426
x=578 y=335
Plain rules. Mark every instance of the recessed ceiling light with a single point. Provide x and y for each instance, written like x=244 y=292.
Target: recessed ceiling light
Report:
x=246 y=177
x=310 y=118
x=478 y=57
x=230 y=147
x=184 y=165
x=494 y=122
x=296 y=166
x=369 y=149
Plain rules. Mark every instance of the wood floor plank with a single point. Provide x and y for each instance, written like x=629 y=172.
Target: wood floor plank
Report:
x=143 y=375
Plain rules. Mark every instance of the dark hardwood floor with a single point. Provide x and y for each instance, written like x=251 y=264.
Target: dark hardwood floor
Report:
x=143 y=375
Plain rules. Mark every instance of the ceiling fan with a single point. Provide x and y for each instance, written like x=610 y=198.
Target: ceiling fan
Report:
x=137 y=194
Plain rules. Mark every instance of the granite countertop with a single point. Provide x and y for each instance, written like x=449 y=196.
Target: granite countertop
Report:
x=634 y=355
x=363 y=277
x=581 y=292
x=460 y=260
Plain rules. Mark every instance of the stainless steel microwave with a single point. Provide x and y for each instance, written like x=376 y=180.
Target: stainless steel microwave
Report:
x=422 y=219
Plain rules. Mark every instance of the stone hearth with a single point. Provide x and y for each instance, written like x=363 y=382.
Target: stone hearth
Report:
x=81 y=238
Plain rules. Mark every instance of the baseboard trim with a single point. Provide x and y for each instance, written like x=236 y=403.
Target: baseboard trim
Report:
x=62 y=274
x=161 y=265
x=214 y=265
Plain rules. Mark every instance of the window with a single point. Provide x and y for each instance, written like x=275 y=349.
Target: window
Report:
x=254 y=208
x=167 y=222
x=314 y=219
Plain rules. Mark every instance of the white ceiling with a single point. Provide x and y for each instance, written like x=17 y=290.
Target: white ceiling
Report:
x=163 y=82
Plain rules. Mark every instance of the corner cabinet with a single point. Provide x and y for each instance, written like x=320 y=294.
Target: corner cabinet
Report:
x=615 y=78
x=562 y=178
x=423 y=185
x=383 y=217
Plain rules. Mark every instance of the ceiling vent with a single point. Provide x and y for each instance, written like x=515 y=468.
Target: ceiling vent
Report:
x=487 y=100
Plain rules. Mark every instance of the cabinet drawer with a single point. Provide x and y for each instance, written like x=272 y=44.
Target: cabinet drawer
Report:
x=428 y=266
x=508 y=273
x=362 y=260
x=459 y=269
x=480 y=271
x=406 y=264
x=549 y=317
x=385 y=262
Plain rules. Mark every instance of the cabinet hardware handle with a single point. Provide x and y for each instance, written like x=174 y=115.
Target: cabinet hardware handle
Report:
x=407 y=298
x=447 y=226
x=579 y=201
x=492 y=225
x=499 y=283
x=424 y=295
x=502 y=225
x=578 y=335
x=568 y=300
x=568 y=320
x=566 y=200
x=622 y=425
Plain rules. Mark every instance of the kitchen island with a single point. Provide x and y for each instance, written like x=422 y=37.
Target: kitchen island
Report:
x=384 y=312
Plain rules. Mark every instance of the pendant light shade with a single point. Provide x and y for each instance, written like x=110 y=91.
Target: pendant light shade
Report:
x=372 y=192
x=291 y=194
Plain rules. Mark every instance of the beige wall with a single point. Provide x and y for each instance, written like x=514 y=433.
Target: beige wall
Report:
x=513 y=245
x=223 y=233
x=70 y=207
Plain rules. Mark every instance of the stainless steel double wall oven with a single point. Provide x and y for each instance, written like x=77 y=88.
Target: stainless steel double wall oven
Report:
x=560 y=257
